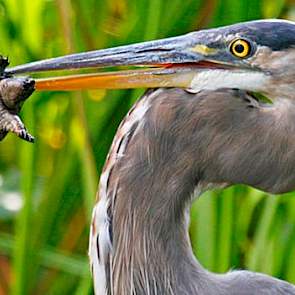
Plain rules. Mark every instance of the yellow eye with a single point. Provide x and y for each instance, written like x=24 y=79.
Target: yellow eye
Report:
x=240 y=48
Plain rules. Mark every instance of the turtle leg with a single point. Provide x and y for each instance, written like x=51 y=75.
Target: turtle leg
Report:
x=10 y=122
x=13 y=92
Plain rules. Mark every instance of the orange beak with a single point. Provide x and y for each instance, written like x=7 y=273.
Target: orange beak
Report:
x=144 y=78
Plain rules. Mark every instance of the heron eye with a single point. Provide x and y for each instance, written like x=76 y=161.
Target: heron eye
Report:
x=240 y=48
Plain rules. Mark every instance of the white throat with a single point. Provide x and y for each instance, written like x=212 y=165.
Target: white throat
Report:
x=220 y=78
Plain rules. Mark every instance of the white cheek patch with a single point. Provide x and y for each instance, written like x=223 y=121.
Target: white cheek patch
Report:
x=217 y=79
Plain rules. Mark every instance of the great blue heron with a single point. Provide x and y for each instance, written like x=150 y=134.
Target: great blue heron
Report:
x=205 y=129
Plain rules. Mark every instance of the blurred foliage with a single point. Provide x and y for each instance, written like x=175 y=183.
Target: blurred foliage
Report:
x=47 y=189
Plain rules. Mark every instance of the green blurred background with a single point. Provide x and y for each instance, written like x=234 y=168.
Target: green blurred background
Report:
x=47 y=189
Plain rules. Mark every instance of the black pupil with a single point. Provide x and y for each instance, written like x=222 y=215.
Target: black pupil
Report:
x=239 y=48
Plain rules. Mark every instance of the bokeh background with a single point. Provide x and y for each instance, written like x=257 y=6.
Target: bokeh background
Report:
x=47 y=189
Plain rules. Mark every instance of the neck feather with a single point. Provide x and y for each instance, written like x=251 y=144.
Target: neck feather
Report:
x=151 y=248
x=145 y=192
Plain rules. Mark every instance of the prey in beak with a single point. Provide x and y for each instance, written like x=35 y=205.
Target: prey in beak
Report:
x=13 y=93
x=227 y=57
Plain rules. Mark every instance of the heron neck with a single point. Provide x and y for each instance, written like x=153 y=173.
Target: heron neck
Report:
x=152 y=250
x=167 y=143
x=152 y=184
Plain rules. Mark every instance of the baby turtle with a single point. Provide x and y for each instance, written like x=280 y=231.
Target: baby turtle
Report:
x=13 y=92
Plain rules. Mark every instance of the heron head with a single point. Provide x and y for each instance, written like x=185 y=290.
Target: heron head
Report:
x=254 y=56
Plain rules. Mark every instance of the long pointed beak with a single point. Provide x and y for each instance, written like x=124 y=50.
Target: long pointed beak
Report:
x=164 y=61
